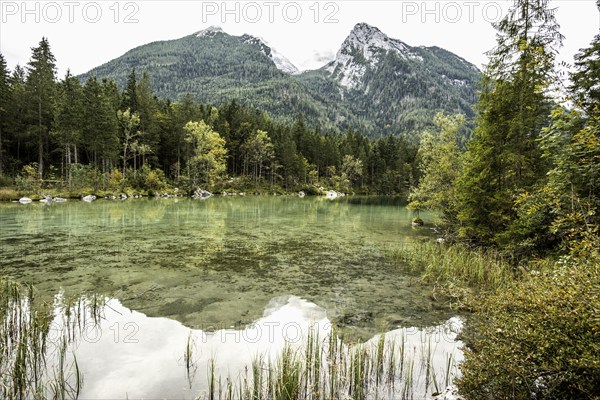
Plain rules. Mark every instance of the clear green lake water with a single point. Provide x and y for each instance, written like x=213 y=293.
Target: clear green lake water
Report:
x=218 y=264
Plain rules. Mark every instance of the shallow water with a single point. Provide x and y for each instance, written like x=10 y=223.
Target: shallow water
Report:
x=220 y=261
x=215 y=265
x=143 y=357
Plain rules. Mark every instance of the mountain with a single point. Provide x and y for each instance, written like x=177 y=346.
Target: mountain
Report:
x=375 y=84
x=393 y=84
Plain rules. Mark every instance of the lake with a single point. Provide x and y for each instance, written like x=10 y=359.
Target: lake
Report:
x=183 y=282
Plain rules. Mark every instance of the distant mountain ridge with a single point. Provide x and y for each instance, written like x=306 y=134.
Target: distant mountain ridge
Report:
x=375 y=84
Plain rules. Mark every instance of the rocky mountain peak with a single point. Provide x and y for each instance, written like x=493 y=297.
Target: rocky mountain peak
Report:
x=362 y=49
x=210 y=31
x=280 y=61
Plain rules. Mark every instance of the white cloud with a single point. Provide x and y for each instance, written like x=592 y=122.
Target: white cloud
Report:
x=317 y=60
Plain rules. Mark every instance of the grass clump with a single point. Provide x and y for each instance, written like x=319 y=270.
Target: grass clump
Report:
x=454 y=265
x=35 y=348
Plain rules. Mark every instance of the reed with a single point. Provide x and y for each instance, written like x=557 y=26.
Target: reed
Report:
x=38 y=367
x=211 y=378
x=328 y=368
x=454 y=265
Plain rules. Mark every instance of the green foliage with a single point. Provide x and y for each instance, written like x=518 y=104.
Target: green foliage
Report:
x=83 y=178
x=504 y=159
x=538 y=339
x=208 y=160
x=584 y=87
x=440 y=166
x=340 y=182
x=129 y=123
x=115 y=181
x=5 y=100
x=6 y=180
x=144 y=178
x=28 y=179
x=258 y=151
x=352 y=168
x=418 y=221
x=100 y=128
x=41 y=95
x=153 y=179
x=562 y=211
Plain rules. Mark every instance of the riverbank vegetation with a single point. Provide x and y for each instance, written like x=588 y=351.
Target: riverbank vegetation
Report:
x=525 y=189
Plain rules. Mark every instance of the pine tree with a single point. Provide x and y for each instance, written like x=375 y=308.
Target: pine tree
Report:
x=565 y=210
x=5 y=100
x=504 y=158
x=15 y=121
x=147 y=109
x=130 y=94
x=69 y=119
x=100 y=130
x=585 y=89
x=41 y=90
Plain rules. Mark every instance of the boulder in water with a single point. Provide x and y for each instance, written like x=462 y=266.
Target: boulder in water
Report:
x=417 y=222
x=46 y=200
x=201 y=194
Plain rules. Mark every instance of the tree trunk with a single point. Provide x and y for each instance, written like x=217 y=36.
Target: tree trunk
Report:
x=40 y=139
x=68 y=149
x=178 y=161
x=124 y=164
x=40 y=156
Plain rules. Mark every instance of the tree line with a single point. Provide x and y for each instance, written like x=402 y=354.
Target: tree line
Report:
x=526 y=187
x=93 y=135
x=528 y=180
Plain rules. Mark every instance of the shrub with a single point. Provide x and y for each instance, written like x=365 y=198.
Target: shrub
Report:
x=311 y=190
x=83 y=178
x=115 y=180
x=148 y=178
x=538 y=339
x=28 y=181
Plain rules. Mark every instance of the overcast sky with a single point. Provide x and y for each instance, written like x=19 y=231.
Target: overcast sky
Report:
x=85 y=34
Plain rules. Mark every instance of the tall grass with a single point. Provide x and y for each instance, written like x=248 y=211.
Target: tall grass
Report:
x=328 y=369
x=35 y=361
x=454 y=265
